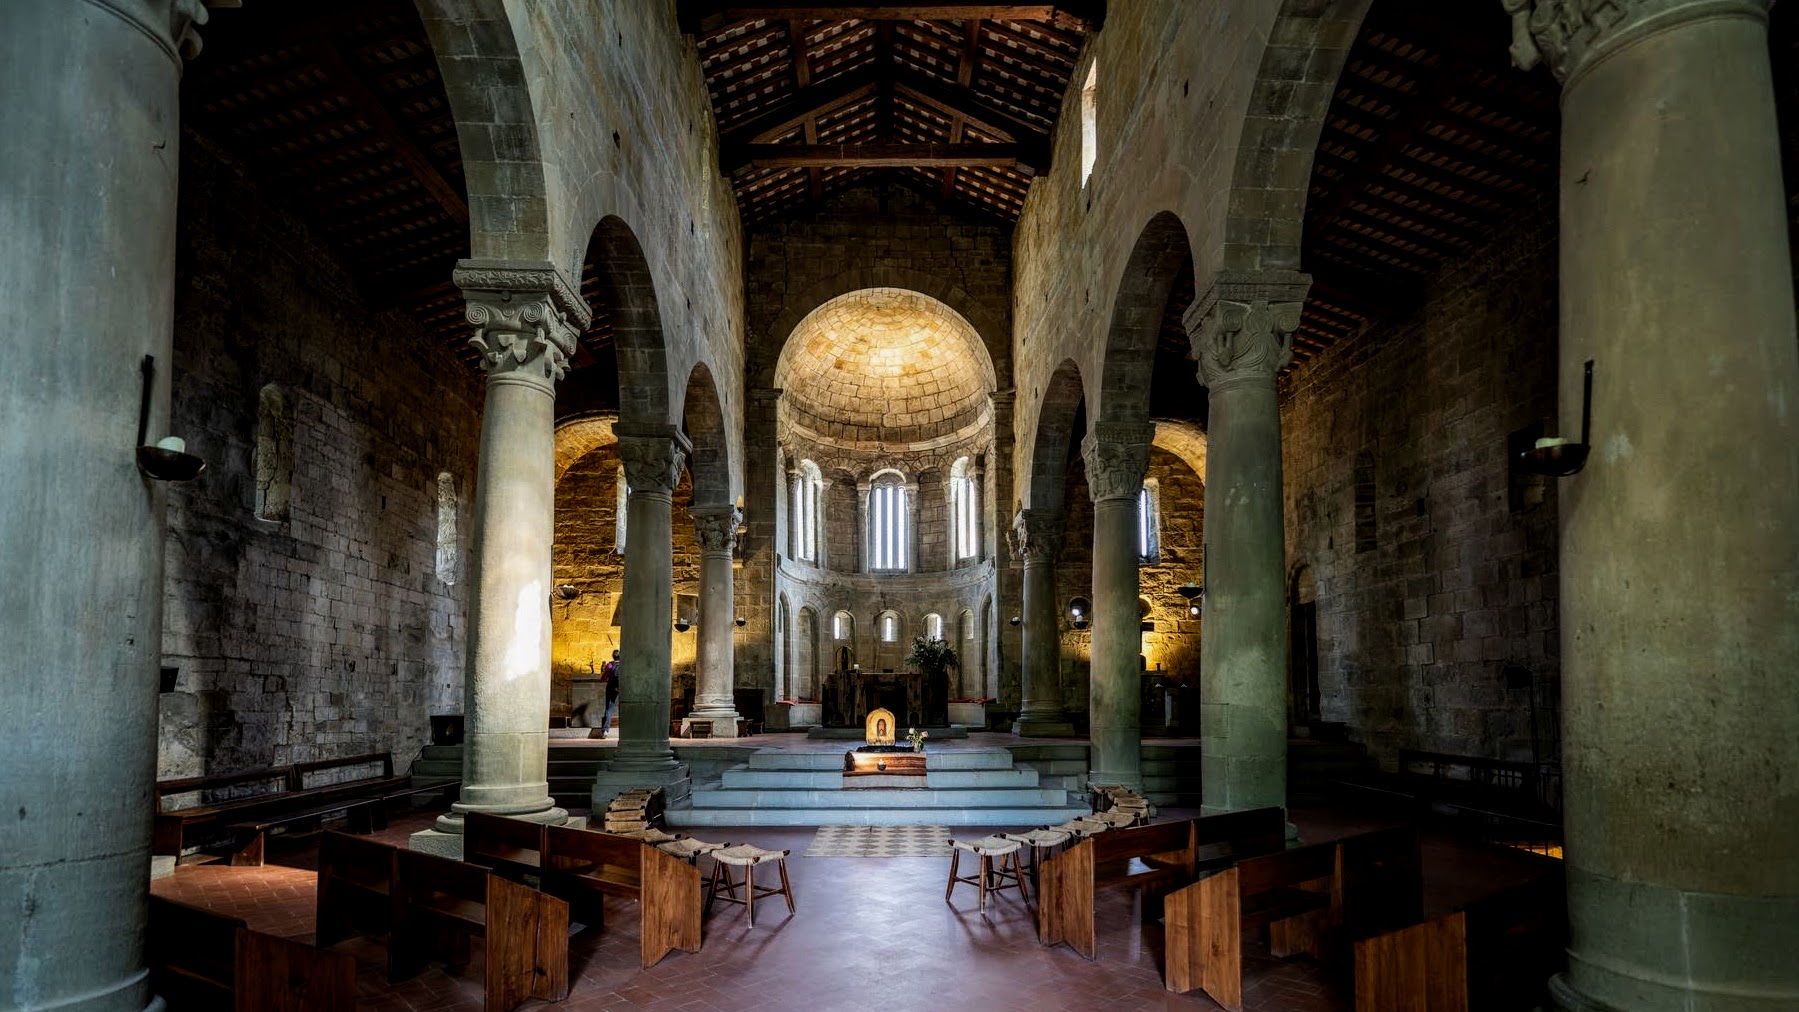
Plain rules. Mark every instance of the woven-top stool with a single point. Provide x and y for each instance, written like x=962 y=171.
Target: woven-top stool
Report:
x=1084 y=827
x=990 y=878
x=652 y=836
x=1040 y=841
x=1112 y=818
x=689 y=849
x=747 y=856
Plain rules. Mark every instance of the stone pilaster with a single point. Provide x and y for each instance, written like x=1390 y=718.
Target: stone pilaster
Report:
x=1678 y=706
x=526 y=318
x=717 y=528
x=1117 y=456
x=1242 y=334
x=90 y=134
x=652 y=461
x=1037 y=540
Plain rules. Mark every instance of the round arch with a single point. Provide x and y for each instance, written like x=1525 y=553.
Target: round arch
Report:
x=1186 y=441
x=626 y=292
x=1159 y=255
x=704 y=418
x=580 y=435
x=1047 y=477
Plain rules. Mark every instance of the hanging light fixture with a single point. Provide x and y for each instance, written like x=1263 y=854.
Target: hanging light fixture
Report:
x=1196 y=598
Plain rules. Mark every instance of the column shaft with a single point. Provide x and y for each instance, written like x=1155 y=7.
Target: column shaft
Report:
x=1117 y=455
x=1036 y=537
x=717 y=529
x=89 y=111
x=1242 y=339
x=1679 y=539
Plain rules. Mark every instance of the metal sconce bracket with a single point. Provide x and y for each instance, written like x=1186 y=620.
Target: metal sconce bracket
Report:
x=1561 y=459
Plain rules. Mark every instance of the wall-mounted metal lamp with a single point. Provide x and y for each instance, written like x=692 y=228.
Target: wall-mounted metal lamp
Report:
x=681 y=623
x=566 y=592
x=1014 y=620
x=168 y=460
x=1556 y=456
x=1196 y=598
x=741 y=621
x=1080 y=613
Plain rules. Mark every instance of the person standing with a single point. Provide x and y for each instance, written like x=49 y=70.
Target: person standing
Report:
x=609 y=678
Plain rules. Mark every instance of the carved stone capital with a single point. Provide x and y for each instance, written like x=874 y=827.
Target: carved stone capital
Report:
x=653 y=461
x=717 y=528
x=1568 y=35
x=172 y=24
x=1117 y=456
x=1036 y=535
x=1242 y=328
x=526 y=318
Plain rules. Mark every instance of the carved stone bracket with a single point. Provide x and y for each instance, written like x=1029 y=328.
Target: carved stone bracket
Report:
x=1117 y=456
x=1242 y=327
x=717 y=528
x=525 y=315
x=653 y=461
x=1567 y=35
x=1036 y=535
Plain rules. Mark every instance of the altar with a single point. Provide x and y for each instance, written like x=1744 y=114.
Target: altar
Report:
x=917 y=700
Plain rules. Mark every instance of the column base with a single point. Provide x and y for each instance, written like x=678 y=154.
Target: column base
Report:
x=676 y=782
x=1033 y=727
x=1567 y=999
x=1116 y=778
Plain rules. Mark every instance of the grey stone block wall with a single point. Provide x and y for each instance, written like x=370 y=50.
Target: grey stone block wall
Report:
x=332 y=631
x=1435 y=636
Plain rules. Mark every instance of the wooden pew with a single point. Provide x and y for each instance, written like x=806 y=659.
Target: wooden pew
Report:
x=510 y=847
x=524 y=932
x=1300 y=894
x=1491 y=955
x=1153 y=858
x=355 y=890
x=584 y=867
x=207 y=961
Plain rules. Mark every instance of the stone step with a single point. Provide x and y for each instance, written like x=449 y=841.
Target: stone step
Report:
x=992 y=817
x=917 y=798
x=744 y=778
x=947 y=759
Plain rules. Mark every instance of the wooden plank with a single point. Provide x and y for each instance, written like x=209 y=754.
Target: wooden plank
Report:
x=527 y=946
x=1204 y=940
x=670 y=903
x=788 y=156
x=355 y=886
x=1422 y=968
x=282 y=975
x=706 y=18
x=807 y=104
x=1065 y=899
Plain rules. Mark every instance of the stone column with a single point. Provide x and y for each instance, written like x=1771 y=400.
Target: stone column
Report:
x=652 y=470
x=1117 y=456
x=1242 y=335
x=89 y=111
x=1037 y=539
x=526 y=318
x=1680 y=538
x=865 y=533
x=712 y=699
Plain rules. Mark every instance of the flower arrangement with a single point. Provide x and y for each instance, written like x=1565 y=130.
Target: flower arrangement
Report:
x=916 y=737
x=932 y=657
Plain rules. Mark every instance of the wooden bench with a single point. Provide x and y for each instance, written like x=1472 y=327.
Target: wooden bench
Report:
x=511 y=847
x=355 y=888
x=1153 y=858
x=439 y=905
x=1491 y=955
x=584 y=867
x=207 y=961
x=1299 y=894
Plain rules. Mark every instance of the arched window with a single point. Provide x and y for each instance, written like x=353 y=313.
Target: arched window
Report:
x=1090 y=122
x=890 y=627
x=965 y=517
x=624 y=502
x=804 y=501
x=1149 y=522
x=446 y=529
x=843 y=626
x=889 y=524
x=933 y=626
x=274 y=455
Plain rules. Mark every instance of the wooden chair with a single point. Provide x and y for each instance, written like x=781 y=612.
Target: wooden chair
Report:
x=355 y=888
x=205 y=961
x=988 y=877
x=523 y=932
x=510 y=847
x=584 y=867
x=747 y=857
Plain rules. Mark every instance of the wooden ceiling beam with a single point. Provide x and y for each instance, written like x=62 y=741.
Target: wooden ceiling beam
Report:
x=965 y=67
x=706 y=17
x=810 y=103
x=964 y=104
x=876 y=155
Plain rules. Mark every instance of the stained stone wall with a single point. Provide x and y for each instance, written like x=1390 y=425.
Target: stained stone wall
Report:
x=333 y=629
x=1437 y=617
x=888 y=236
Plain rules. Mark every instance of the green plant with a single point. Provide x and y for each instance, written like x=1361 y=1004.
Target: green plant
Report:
x=933 y=657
